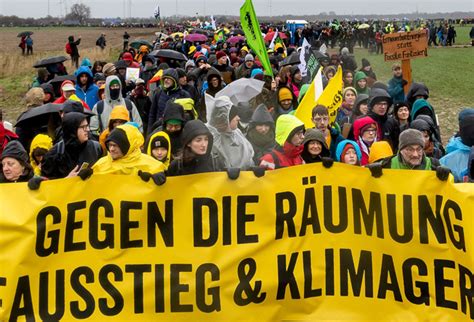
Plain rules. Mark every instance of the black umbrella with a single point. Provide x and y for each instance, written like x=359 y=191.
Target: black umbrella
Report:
x=33 y=115
x=50 y=61
x=293 y=59
x=168 y=53
x=24 y=34
x=140 y=42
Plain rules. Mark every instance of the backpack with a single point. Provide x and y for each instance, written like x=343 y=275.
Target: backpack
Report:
x=68 y=49
x=100 y=110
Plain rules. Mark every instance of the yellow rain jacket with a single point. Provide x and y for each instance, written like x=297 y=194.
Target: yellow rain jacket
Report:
x=42 y=141
x=119 y=112
x=131 y=162
x=166 y=163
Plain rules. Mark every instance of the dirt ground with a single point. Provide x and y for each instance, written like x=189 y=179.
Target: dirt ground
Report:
x=54 y=38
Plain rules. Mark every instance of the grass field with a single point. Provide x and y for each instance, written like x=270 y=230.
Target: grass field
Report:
x=446 y=71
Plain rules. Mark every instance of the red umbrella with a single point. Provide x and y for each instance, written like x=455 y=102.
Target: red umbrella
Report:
x=269 y=36
x=195 y=37
x=235 y=39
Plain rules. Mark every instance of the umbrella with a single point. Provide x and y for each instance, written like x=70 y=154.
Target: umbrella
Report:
x=25 y=33
x=50 y=61
x=364 y=26
x=269 y=36
x=293 y=59
x=242 y=90
x=180 y=34
x=33 y=115
x=236 y=31
x=235 y=39
x=195 y=37
x=168 y=53
x=140 y=42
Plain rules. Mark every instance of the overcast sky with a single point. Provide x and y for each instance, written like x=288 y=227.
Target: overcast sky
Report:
x=144 y=8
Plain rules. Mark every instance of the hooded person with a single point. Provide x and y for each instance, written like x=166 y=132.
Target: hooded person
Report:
x=68 y=92
x=459 y=147
x=360 y=83
x=214 y=85
x=149 y=68
x=361 y=107
x=417 y=91
x=128 y=58
x=142 y=52
x=289 y=136
x=365 y=134
x=75 y=148
x=14 y=163
x=261 y=132
x=387 y=128
x=433 y=147
x=173 y=124
x=380 y=150
x=159 y=147
x=118 y=116
x=196 y=155
x=48 y=90
x=422 y=107
x=169 y=90
x=190 y=112
x=368 y=71
x=40 y=145
x=125 y=157
x=348 y=152
x=229 y=142
x=86 y=90
x=315 y=147
x=139 y=97
x=103 y=108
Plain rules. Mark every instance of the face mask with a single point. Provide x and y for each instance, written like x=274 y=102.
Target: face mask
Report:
x=114 y=93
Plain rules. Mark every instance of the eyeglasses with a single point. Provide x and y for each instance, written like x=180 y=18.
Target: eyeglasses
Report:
x=84 y=127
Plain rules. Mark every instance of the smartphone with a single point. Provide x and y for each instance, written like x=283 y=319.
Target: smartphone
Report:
x=84 y=165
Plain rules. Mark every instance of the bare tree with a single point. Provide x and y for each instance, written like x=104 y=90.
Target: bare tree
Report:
x=79 y=12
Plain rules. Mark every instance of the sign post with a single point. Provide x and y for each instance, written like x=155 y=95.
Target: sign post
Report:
x=405 y=46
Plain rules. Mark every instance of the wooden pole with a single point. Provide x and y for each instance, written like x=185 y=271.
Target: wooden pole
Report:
x=406 y=72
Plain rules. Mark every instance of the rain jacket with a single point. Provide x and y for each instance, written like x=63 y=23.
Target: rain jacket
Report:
x=131 y=162
x=89 y=95
x=167 y=161
x=285 y=154
x=161 y=96
x=395 y=89
x=342 y=145
x=314 y=135
x=109 y=104
x=357 y=77
x=41 y=141
x=15 y=150
x=118 y=113
x=231 y=145
x=262 y=144
x=69 y=152
x=457 y=158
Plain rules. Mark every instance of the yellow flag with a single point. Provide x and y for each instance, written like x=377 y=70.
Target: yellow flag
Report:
x=331 y=98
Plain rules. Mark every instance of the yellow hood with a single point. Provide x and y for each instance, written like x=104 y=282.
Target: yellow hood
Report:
x=149 y=148
x=188 y=105
x=131 y=162
x=42 y=141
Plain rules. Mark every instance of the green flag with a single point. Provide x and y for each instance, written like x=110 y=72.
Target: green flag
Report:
x=253 y=34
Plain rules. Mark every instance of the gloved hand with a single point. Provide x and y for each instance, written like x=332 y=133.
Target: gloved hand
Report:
x=159 y=178
x=233 y=173
x=442 y=173
x=86 y=173
x=375 y=169
x=35 y=182
x=258 y=171
x=327 y=162
x=145 y=176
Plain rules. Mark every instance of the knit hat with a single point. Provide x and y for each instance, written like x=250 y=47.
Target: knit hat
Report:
x=466 y=130
x=255 y=72
x=15 y=150
x=410 y=137
x=220 y=54
x=119 y=137
x=109 y=69
x=181 y=72
x=160 y=142
x=249 y=57
x=201 y=57
x=284 y=94
x=365 y=62
x=189 y=63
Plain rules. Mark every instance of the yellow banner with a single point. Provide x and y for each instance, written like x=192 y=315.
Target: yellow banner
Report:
x=299 y=244
x=331 y=98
